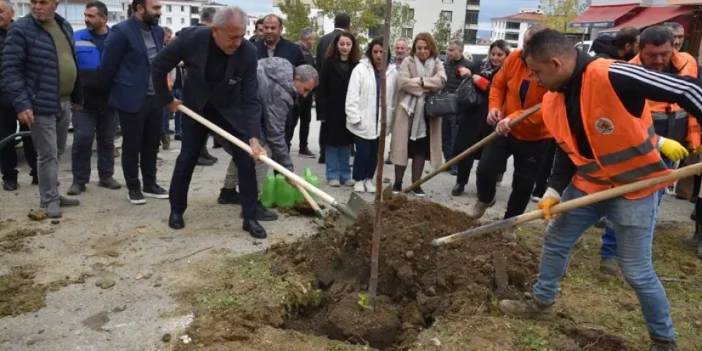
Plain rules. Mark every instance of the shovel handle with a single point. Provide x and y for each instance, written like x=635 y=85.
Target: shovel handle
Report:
x=309 y=199
x=475 y=147
x=263 y=158
x=571 y=204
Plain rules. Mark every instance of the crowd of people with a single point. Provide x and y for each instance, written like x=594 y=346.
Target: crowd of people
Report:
x=602 y=122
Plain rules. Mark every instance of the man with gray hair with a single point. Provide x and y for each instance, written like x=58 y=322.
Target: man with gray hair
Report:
x=678 y=34
x=222 y=86
x=279 y=85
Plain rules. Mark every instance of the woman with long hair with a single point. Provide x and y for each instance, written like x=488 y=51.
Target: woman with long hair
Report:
x=416 y=135
x=472 y=126
x=363 y=111
x=341 y=58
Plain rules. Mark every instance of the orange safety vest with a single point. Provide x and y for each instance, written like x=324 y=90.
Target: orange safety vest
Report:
x=686 y=66
x=623 y=146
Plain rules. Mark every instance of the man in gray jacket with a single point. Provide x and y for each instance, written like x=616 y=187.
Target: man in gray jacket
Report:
x=279 y=85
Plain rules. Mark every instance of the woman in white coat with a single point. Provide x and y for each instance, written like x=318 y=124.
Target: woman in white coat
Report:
x=363 y=112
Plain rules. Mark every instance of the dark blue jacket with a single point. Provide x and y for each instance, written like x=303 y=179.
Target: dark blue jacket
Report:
x=88 y=55
x=236 y=97
x=30 y=71
x=125 y=64
x=285 y=49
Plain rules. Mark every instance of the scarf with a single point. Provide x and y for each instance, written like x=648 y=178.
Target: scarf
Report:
x=414 y=105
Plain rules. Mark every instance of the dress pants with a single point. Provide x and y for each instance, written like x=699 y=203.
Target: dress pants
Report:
x=8 y=155
x=303 y=113
x=88 y=125
x=141 y=136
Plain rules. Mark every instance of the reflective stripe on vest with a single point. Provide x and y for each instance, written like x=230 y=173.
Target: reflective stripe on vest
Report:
x=623 y=146
x=663 y=116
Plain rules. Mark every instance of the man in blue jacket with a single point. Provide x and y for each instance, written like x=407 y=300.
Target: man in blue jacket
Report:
x=95 y=119
x=40 y=76
x=126 y=65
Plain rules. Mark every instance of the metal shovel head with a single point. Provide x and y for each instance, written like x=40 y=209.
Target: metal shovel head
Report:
x=356 y=203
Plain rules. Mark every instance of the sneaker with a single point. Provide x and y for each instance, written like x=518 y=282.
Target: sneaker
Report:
x=53 y=210
x=479 y=209
x=453 y=171
x=320 y=160
x=305 y=152
x=228 y=197
x=109 y=183
x=178 y=137
x=205 y=154
x=68 y=202
x=359 y=187
x=535 y=198
x=348 y=182
x=10 y=185
x=418 y=192
x=529 y=308
x=387 y=161
x=155 y=191
x=76 y=189
x=397 y=188
x=335 y=183
x=458 y=189
x=202 y=161
x=136 y=197
x=369 y=185
x=609 y=266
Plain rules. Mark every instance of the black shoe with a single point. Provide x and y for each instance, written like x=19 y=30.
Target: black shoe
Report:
x=387 y=161
x=254 y=228
x=109 y=183
x=68 y=202
x=305 y=152
x=453 y=171
x=175 y=220
x=397 y=188
x=418 y=192
x=265 y=215
x=201 y=161
x=35 y=180
x=216 y=144
x=320 y=160
x=76 y=189
x=228 y=197
x=178 y=137
x=458 y=189
x=206 y=155
x=155 y=191
x=10 y=185
x=136 y=197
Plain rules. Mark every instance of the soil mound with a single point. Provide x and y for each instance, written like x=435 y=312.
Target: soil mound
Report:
x=417 y=282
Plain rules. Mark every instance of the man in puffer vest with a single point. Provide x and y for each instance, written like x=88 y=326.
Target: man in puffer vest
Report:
x=95 y=119
x=597 y=113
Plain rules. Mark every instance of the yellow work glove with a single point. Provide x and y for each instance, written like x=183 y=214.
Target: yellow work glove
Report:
x=672 y=149
x=550 y=199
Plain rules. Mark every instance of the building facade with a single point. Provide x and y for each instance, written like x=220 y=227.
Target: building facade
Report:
x=461 y=14
x=512 y=28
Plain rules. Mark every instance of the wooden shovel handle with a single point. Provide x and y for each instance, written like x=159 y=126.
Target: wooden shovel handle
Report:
x=571 y=204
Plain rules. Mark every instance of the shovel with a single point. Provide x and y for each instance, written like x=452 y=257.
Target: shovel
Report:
x=475 y=147
x=570 y=205
x=343 y=209
x=11 y=138
x=311 y=201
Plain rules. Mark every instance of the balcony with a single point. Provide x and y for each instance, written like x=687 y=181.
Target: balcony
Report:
x=473 y=3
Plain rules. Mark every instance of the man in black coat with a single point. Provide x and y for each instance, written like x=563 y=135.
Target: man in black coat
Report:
x=342 y=22
x=222 y=86
x=274 y=45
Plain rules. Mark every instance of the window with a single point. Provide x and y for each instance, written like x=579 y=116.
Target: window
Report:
x=168 y=8
x=474 y=2
x=407 y=33
x=194 y=22
x=182 y=8
x=410 y=14
x=447 y=1
x=169 y=20
x=472 y=17
x=512 y=36
x=513 y=25
x=446 y=16
x=470 y=36
x=182 y=21
x=194 y=10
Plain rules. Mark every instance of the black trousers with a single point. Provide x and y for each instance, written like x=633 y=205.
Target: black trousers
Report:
x=471 y=129
x=527 y=159
x=303 y=113
x=8 y=155
x=141 y=136
x=194 y=134
x=545 y=170
x=93 y=124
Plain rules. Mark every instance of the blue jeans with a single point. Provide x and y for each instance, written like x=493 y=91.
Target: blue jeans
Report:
x=366 y=159
x=609 y=239
x=634 y=222
x=337 y=162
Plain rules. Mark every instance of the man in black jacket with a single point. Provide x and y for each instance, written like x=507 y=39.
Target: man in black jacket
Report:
x=222 y=86
x=40 y=76
x=342 y=22
x=274 y=45
x=8 y=120
x=449 y=124
x=303 y=110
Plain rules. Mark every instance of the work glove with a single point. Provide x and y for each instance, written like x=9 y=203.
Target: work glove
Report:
x=672 y=149
x=550 y=199
x=697 y=151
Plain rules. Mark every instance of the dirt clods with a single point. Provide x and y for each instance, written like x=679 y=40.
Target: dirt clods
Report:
x=19 y=294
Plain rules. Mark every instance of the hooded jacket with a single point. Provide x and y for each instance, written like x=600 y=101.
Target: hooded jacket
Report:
x=362 y=115
x=277 y=95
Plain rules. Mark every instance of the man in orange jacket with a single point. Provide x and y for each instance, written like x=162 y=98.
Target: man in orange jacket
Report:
x=513 y=90
x=657 y=52
x=596 y=111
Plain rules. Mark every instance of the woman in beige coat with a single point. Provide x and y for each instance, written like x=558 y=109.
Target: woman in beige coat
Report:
x=415 y=135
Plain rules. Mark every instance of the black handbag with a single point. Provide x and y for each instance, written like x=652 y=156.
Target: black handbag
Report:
x=440 y=104
x=466 y=95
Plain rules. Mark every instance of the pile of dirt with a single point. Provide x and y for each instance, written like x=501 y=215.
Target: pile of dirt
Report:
x=417 y=282
x=19 y=294
x=15 y=240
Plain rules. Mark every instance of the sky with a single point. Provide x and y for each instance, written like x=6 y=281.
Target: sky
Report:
x=488 y=8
